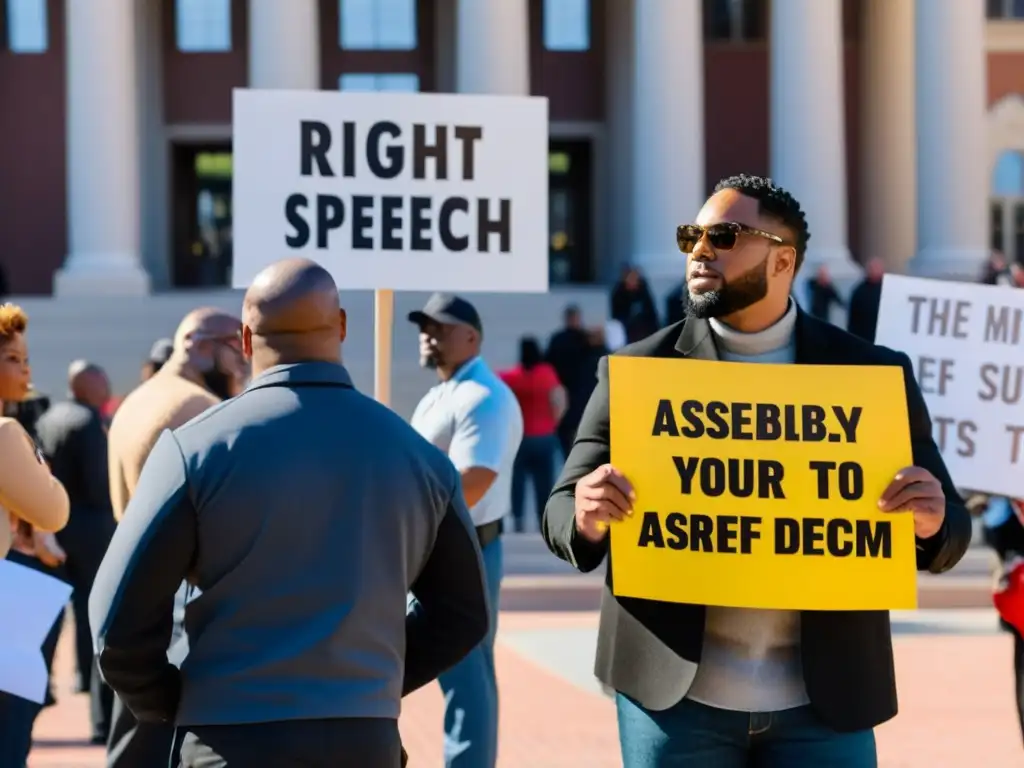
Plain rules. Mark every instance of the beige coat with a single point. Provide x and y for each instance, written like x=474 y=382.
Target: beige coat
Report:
x=27 y=489
x=165 y=401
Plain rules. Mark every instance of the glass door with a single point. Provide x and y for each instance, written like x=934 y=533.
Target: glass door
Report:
x=202 y=216
x=569 y=212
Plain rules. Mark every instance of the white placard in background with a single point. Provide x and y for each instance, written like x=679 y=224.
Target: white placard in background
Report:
x=30 y=603
x=966 y=342
x=400 y=191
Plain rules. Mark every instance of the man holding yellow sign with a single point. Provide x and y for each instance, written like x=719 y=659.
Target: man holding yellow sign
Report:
x=754 y=552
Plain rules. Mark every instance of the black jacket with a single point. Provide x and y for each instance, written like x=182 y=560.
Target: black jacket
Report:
x=649 y=650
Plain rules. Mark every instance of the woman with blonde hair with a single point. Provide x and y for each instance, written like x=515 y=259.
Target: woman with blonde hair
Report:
x=33 y=504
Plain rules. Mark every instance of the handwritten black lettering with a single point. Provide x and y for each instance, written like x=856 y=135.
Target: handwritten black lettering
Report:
x=727 y=534
x=741 y=478
x=836 y=537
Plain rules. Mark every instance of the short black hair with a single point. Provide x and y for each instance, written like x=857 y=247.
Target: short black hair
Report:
x=530 y=355
x=773 y=201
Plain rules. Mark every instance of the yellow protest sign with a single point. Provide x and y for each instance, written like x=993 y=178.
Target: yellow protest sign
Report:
x=757 y=485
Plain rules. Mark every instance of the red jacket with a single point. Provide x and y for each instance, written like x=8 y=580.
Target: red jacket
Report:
x=1008 y=595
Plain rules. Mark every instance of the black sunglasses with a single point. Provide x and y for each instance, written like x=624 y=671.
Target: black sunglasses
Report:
x=722 y=237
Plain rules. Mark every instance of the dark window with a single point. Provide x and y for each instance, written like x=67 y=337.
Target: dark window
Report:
x=735 y=20
x=569 y=213
x=753 y=20
x=1004 y=9
x=1018 y=233
x=998 y=241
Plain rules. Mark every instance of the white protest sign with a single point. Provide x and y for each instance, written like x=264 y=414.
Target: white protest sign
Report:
x=966 y=342
x=397 y=191
x=30 y=603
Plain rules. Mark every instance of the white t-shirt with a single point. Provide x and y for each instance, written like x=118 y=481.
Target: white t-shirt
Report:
x=475 y=418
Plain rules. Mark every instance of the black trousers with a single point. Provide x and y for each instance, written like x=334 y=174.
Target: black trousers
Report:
x=85 y=540
x=139 y=745
x=347 y=743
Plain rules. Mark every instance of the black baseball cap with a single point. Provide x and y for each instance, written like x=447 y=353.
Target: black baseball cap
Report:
x=161 y=351
x=445 y=309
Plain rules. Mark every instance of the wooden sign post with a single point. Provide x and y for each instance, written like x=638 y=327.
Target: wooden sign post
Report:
x=383 y=337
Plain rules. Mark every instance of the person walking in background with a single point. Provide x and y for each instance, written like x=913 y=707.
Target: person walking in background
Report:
x=73 y=438
x=542 y=401
x=472 y=416
x=633 y=306
x=569 y=353
x=33 y=505
x=305 y=538
x=864 y=301
x=996 y=269
x=822 y=295
x=205 y=367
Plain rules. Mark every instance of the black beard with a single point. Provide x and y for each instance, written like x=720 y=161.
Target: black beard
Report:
x=218 y=382
x=740 y=293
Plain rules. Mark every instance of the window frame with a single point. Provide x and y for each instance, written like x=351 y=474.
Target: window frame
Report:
x=741 y=17
x=376 y=77
x=202 y=46
x=9 y=28
x=377 y=45
x=550 y=44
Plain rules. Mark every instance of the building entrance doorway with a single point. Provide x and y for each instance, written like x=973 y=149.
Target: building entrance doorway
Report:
x=202 y=220
x=201 y=215
x=570 y=246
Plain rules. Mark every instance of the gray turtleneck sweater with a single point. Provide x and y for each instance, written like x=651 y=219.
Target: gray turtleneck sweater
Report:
x=751 y=658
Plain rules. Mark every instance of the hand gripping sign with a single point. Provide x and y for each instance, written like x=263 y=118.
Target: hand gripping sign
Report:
x=757 y=485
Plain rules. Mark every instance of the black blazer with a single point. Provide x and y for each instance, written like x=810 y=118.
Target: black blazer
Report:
x=649 y=650
x=74 y=441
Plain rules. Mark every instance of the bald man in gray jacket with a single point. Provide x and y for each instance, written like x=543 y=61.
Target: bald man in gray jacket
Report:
x=305 y=513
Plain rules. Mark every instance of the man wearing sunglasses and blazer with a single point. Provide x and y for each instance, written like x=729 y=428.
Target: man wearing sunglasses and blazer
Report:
x=697 y=685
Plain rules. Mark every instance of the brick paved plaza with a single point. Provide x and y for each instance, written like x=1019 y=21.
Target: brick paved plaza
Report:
x=956 y=703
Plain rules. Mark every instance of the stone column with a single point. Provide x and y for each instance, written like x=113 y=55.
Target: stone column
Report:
x=492 y=47
x=669 y=182
x=808 y=126
x=102 y=153
x=952 y=172
x=284 y=44
x=888 y=185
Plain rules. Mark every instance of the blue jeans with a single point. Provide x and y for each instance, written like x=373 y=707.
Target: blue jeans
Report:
x=535 y=461
x=471 y=689
x=692 y=735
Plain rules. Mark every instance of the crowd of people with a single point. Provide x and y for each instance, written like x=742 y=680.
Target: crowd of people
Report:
x=330 y=557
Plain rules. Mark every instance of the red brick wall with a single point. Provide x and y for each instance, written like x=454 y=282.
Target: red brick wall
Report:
x=335 y=61
x=1005 y=75
x=33 y=206
x=197 y=86
x=574 y=82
